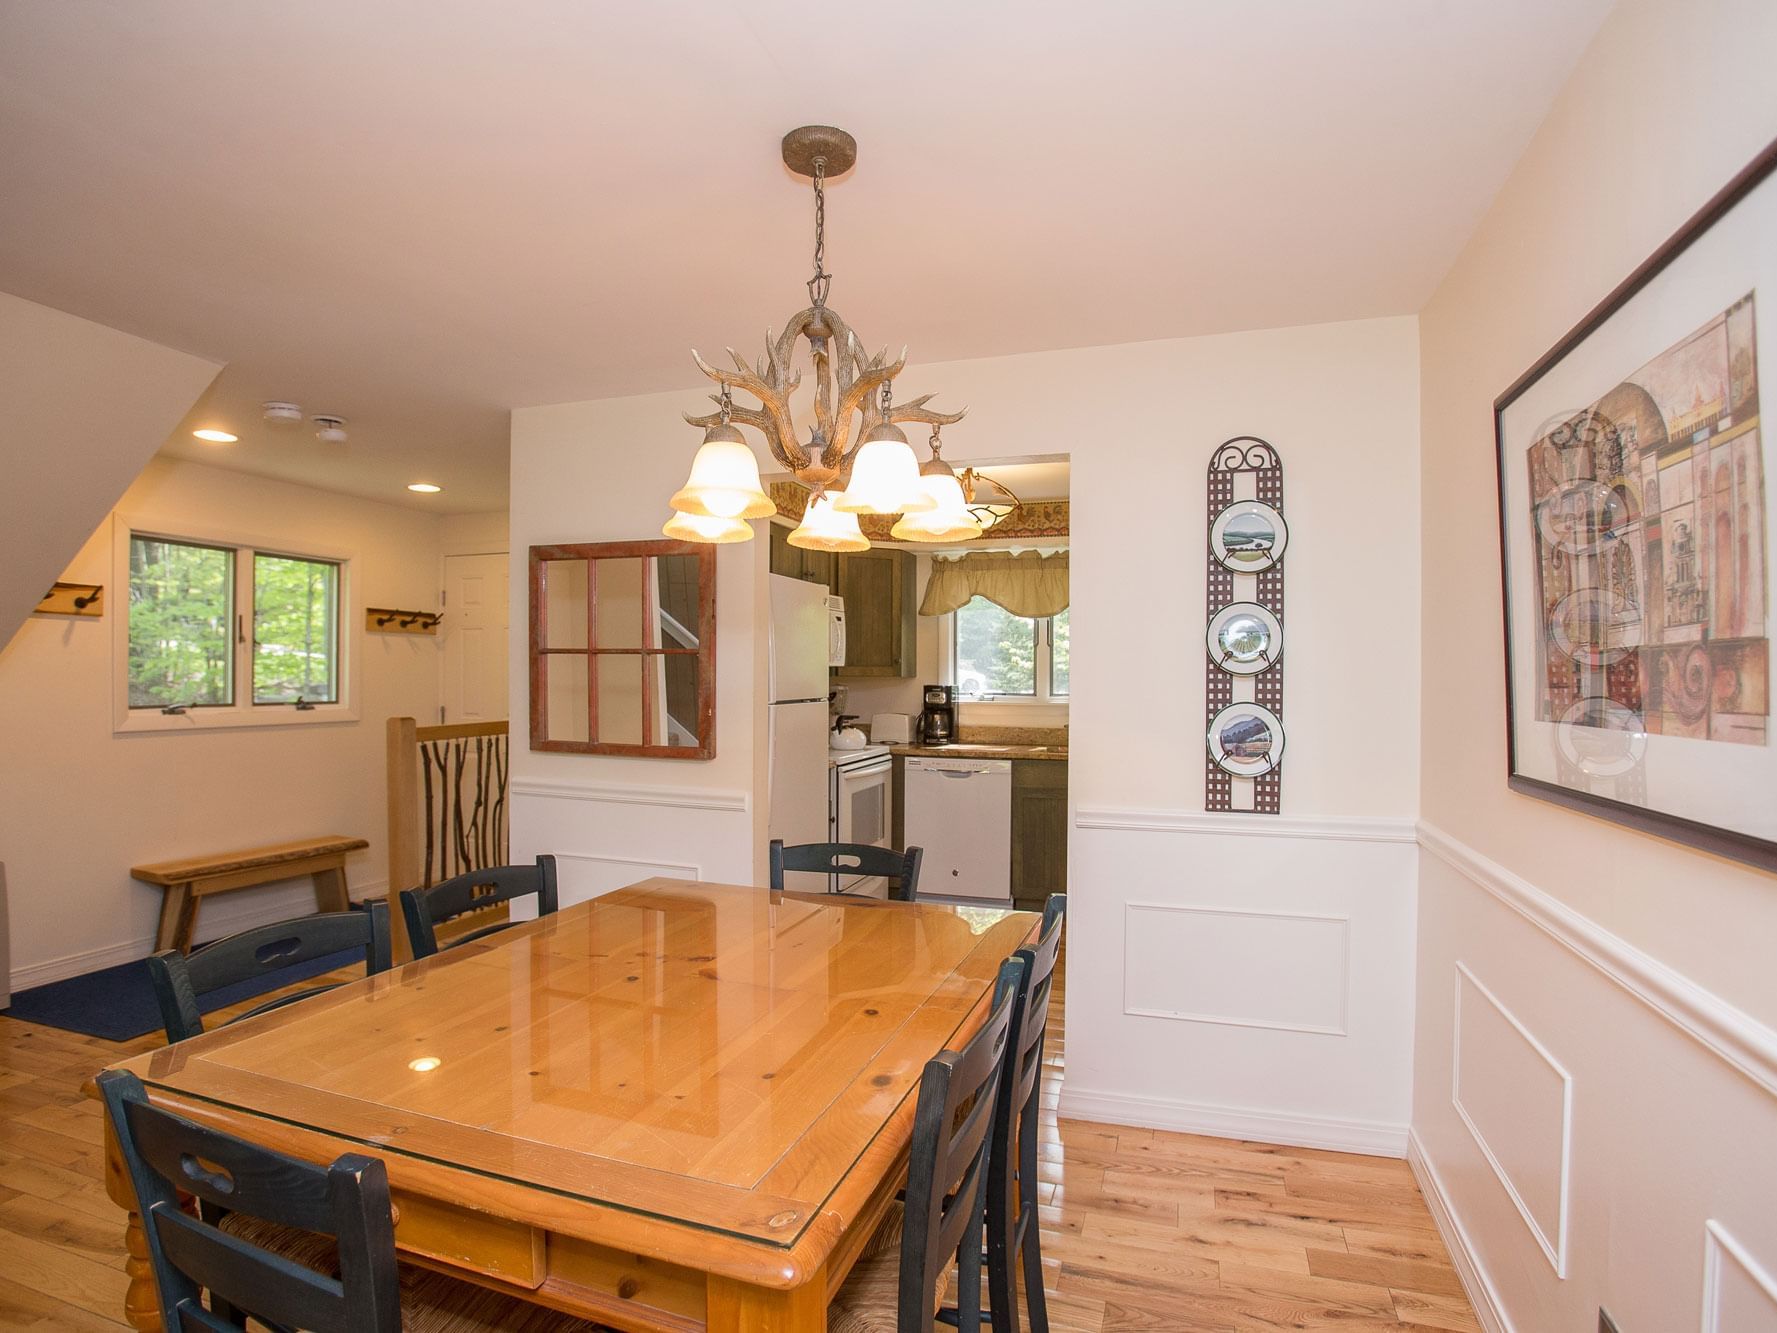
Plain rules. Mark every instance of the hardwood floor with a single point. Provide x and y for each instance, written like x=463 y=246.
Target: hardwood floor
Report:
x=1141 y=1230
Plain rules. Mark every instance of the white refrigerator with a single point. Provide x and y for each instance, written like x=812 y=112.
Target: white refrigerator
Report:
x=796 y=735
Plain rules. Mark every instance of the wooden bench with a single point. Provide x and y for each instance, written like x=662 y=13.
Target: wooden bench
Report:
x=186 y=882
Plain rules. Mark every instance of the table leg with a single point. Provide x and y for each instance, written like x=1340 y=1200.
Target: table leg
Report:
x=736 y=1307
x=330 y=889
x=141 y=1301
x=175 y=903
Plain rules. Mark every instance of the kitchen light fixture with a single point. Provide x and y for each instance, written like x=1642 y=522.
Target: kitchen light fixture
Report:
x=282 y=412
x=330 y=430
x=424 y=487
x=988 y=500
x=877 y=474
x=216 y=436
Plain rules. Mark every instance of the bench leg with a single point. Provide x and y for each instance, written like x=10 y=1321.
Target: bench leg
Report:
x=330 y=890
x=178 y=917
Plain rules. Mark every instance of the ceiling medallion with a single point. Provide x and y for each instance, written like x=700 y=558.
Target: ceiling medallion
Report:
x=856 y=459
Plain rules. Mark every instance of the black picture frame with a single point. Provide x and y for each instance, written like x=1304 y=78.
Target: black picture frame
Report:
x=1731 y=843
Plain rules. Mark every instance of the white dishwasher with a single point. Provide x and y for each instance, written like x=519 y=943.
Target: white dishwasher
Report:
x=960 y=811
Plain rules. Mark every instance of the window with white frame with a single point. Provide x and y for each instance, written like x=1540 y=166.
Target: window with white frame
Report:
x=999 y=657
x=230 y=634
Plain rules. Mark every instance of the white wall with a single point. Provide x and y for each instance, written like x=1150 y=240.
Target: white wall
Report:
x=84 y=408
x=84 y=805
x=1340 y=401
x=1563 y=919
x=602 y=471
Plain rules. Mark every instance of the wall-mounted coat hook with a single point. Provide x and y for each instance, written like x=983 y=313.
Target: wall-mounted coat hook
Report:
x=387 y=620
x=73 y=599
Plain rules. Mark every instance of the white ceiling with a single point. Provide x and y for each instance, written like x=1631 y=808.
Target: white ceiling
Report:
x=418 y=214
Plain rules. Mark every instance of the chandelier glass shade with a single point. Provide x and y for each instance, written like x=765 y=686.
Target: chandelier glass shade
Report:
x=724 y=480
x=949 y=519
x=825 y=527
x=698 y=528
x=854 y=441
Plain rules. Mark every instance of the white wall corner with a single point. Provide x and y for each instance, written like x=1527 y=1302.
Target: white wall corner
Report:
x=1476 y=1285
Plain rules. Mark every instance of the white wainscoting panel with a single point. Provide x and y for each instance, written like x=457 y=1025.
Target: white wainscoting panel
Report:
x=1555 y=1059
x=1216 y=965
x=586 y=875
x=1517 y=1102
x=1739 y=1293
x=1242 y=976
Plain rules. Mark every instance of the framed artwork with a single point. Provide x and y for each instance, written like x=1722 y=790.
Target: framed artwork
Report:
x=1636 y=543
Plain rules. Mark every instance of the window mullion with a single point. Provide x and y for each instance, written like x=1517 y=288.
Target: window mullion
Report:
x=244 y=628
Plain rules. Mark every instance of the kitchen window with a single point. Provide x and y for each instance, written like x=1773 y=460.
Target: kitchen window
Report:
x=227 y=634
x=998 y=657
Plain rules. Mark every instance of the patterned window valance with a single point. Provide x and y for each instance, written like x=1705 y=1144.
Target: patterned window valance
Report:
x=1026 y=584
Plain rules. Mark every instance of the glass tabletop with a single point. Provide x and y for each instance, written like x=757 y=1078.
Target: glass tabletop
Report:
x=716 y=1055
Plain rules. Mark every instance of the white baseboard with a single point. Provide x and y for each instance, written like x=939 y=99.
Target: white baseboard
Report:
x=219 y=918
x=1489 y=1309
x=1372 y=1138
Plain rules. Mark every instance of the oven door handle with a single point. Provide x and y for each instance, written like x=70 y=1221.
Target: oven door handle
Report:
x=869 y=770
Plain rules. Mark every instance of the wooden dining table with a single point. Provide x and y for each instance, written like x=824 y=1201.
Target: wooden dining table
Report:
x=679 y=1106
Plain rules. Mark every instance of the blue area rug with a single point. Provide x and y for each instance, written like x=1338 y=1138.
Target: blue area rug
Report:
x=117 y=1003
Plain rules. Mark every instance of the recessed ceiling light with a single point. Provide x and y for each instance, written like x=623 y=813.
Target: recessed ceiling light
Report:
x=424 y=487
x=216 y=436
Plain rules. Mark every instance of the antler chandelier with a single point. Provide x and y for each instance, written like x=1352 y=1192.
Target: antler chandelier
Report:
x=856 y=459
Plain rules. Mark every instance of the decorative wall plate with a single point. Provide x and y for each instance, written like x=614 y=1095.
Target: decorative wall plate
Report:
x=1246 y=740
x=1248 y=536
x=1244 y=639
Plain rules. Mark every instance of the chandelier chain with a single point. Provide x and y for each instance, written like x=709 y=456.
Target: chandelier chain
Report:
x=822 y=280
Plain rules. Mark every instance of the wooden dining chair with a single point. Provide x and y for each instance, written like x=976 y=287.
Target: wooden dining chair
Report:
x=1012 y=1230
x=901 y=869
x=285 y=1242
x=898 y=1280
x=179 y=978
x=427 y=909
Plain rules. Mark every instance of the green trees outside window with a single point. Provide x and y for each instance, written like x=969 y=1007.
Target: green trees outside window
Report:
x=181 y=623
x=1002 y=655
x=189 y=608
x=295 y=630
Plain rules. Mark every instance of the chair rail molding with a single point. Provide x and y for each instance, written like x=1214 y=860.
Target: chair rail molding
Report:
x=684 y=798
x=1330 y=828
x=1731 y=1033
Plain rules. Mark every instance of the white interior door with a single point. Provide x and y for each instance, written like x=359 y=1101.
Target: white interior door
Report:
x=476 y=596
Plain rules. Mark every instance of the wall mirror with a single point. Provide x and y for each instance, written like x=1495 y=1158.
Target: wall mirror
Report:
x=623 y=649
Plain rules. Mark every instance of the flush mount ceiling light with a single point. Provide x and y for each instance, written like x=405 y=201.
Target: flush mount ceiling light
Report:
x=424 y=487
x=284 y=413
x=988 y=500
x=216 y=436
x=856 y=458
x=330 y=430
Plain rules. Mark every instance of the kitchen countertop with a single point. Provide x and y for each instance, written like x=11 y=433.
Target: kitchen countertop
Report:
x=966 y=750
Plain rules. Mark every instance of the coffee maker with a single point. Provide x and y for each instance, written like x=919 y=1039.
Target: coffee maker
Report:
x=937 y=724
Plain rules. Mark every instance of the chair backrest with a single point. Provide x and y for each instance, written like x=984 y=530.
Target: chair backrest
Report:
x=901 y=869
x=427 y=909
x=348 y=1201
x=179 y=978
x=947 y=1168
x=1030 y=1011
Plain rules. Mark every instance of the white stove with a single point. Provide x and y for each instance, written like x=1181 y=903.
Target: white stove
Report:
x=859 y=808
